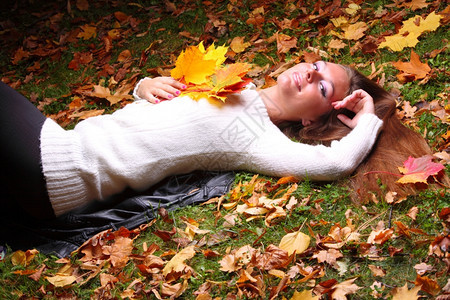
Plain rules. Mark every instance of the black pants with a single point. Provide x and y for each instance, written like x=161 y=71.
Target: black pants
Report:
x=22 y=184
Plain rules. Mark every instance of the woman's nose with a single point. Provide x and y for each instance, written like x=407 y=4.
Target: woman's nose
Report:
x=309 y=75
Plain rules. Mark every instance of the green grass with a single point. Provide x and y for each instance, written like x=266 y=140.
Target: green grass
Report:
x=328 y=203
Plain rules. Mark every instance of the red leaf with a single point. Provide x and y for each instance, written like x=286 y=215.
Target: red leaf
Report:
x=419 y=169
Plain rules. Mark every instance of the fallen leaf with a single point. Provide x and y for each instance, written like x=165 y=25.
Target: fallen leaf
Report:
x=19 y=55
x=124 y=55
x=412 y=213
x=285 y=42
x=377 y=271
x=82 y=5
x=355 y=31
x=304 y=295
x=404 y=294
x=296 y=242
x=88 y=32
x=176 y=264
x=23 y=258
x=411 y=30
x=413 y=70
x=228 y=263
x=419 y=169
x=344 y=288
x=272 y=258
x=380 y=236
x=238 y=45
x=330 y=256
x=119 y=251
x=427 y=285
x=422 y=268
x=415 y=4
x=61 y=280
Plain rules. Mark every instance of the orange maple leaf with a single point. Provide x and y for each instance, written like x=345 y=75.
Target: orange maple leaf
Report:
x=412 y=70
x=419 y=169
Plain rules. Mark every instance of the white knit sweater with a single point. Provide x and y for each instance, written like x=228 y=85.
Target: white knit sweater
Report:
x=143 y=143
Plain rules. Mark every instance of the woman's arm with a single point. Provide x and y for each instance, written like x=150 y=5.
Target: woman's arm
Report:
x=157 y=89
x=287 y=158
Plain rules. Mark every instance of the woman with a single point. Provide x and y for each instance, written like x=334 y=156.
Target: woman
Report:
x=143 y=143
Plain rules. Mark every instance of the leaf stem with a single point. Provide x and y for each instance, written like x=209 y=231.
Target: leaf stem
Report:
x=383 y=172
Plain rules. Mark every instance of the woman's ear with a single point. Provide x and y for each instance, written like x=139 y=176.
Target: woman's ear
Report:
x=306 y=122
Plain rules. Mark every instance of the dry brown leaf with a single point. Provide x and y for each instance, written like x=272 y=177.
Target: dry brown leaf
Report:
x=377 y=271
x=228 y=263
x=82 y=5
x=330 y=256
x=272 y=258
x=412 y=213
x=428 y=285
x=61 y=280
x=344 y=288
x=380 y=236
x=422 y=268
x=119 y=251
x=355 y=31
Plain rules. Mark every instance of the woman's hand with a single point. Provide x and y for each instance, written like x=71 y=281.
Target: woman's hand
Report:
x=158 y=89
x=359 y=102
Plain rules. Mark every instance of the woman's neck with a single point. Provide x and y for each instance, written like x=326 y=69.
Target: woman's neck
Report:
x=269 y=96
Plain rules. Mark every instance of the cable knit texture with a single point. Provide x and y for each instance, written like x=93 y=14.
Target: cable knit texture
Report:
x=143 y=143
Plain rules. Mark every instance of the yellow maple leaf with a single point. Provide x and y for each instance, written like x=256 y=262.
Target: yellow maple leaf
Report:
x=206 y=76
x=193 y=67
x=398 y=42
x=213 y=53
x=419 y=25
x=411 y=30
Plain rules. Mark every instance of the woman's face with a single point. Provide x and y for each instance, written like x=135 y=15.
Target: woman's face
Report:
x=306 y=91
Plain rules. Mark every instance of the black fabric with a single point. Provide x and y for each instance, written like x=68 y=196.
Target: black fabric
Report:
x=66 y=233
x=22 y=183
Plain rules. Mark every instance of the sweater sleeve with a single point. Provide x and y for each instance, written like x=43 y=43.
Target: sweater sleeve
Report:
x=283 y=157
x=136 y=87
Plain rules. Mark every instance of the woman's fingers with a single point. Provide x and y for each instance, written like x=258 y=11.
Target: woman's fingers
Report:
x=359 y=102
x=160 y=88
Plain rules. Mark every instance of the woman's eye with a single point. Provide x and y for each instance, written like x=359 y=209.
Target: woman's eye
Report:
x=315 y=66
x=323 y=90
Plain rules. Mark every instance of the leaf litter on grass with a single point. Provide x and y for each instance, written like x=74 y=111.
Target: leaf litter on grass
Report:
x=320 y=257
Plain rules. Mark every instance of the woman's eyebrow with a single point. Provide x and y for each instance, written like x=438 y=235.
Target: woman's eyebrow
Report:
x=330 y=81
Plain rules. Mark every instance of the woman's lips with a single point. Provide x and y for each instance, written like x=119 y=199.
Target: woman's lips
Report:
x=297 y=80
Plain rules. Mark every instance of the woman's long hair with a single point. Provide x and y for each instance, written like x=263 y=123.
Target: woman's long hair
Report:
x=394 y=145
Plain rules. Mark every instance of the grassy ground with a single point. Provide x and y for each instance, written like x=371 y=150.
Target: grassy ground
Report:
x=41 y=55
